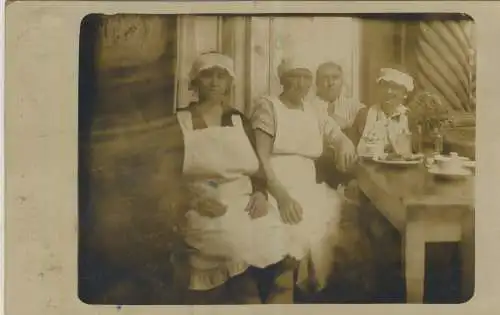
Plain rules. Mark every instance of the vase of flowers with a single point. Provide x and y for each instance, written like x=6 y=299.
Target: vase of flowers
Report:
x=429 y=115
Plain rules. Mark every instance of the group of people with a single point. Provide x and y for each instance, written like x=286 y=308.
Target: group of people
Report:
x=263 y=206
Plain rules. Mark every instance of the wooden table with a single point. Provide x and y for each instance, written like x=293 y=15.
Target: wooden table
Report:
x=423 y=210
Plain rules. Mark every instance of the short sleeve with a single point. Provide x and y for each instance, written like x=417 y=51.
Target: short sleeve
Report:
x=329 y=127
x=263 y=116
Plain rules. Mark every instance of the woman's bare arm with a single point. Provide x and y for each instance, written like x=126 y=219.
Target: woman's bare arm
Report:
x=264 y=144
x=290 y=210
x=345 y=153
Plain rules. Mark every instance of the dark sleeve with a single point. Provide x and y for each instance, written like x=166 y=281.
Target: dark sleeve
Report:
x=356 y=131
x=258 y=179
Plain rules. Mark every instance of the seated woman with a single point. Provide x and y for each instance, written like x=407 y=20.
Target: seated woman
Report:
x=376 y=128
x=229 y=225
x=290 y=135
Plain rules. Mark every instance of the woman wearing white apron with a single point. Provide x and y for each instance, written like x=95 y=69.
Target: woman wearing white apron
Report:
x=290 y=135
x=376 y=128
x=229 y=226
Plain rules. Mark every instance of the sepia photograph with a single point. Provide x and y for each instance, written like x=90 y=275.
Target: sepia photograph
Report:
x=276 y=159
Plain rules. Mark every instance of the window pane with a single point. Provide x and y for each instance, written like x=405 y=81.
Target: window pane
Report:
x=314 y=39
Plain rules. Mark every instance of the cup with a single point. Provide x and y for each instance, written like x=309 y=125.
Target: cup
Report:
x=374 y=149
x=403 y=144
x=449 y=164
x=429 y=161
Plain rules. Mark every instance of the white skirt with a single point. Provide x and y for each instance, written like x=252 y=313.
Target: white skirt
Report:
x=227 y=245
x=313 y=240
x=258 y=242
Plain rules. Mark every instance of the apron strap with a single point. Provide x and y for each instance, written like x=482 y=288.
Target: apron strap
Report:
x=185 y=120
x=237 y=122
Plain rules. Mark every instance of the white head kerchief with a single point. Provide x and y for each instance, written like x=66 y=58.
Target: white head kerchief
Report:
x=396 y=76
x=290 y=63
x=211 y=60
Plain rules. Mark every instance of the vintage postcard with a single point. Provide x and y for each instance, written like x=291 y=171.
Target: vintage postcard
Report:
x=250 y=157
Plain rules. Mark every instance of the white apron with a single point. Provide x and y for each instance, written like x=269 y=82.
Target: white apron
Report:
x=383 y=128
x=226 y=245
x=298 y=143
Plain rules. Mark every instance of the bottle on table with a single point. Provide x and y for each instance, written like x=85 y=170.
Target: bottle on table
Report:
x=438 y=141
x=419 y=146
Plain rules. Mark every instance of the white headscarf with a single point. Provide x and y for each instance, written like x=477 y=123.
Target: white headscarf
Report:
x=396 y=76
x=291 y=63
x=211 y=60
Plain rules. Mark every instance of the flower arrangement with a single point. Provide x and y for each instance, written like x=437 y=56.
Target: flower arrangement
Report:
x=428 y=111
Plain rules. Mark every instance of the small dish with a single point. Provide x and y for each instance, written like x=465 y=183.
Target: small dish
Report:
x=448 y=157
x=470 y=164
x=414 y=160
x=457 y=174
x=368 y=157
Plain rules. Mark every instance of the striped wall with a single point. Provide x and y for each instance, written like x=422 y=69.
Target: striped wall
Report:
x=446 y=62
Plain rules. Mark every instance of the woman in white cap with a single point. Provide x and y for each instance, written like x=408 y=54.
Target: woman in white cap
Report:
x=229 y=225
x=373 y=127
x=374 y=131
x=290 y=134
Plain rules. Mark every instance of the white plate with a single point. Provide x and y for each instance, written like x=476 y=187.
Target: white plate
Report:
x=458 y=174
x=447 y=157
x=367 y=156
x=399 y=162
x=470 y=164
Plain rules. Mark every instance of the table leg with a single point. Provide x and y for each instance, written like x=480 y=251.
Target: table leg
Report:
x=468 y=257
x=414 y=262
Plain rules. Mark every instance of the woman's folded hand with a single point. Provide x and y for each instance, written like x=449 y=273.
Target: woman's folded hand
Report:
x=204 y=199
x=290 y=210
x=257 y=206
x=211 y=208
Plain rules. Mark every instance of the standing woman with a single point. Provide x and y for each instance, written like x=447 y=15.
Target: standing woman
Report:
x=229 y=225
x=290 y=135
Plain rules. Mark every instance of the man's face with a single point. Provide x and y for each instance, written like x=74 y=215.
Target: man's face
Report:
x=329 y=82
x=297 y=83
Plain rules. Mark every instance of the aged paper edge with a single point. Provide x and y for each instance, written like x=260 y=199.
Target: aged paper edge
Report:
x=41 y=155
